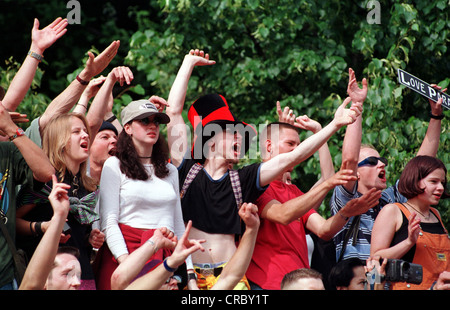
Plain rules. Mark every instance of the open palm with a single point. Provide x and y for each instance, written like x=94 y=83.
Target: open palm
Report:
x=356 y=94
x=44 y=38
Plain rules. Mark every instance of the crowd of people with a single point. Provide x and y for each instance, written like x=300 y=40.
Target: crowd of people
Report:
x=90 y=201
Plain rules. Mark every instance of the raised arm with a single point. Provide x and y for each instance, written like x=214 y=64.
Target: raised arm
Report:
x=33 y=155
x=176 y=129
x=326 y=162
x=353 y=135
x=41 y=262
x=275 y=167
x=126 y=272
x=430 y=143
x=157 y=277
x=64 y=102
x=91 y=90
x=285 y=213
x=237 y=266
x=40 y=41
x=99 y=105
x=327 y=229
x=304 y=122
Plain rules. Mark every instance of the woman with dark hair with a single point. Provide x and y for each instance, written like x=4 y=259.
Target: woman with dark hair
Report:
x=413 y=231
x=138 y=190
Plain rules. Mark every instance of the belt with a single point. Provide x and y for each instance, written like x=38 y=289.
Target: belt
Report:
x=207 y=271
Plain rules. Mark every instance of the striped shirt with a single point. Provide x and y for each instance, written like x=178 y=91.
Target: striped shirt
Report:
x=358 y=244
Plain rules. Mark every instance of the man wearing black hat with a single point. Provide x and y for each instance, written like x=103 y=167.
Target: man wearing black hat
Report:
x=215 y=192
x=103 y=146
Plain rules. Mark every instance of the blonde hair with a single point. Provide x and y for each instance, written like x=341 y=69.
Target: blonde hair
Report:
x=55 y=138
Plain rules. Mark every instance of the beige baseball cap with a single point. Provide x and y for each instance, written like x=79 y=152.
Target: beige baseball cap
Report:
x=140 y=109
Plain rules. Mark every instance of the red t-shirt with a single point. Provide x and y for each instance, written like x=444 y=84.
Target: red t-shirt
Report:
x=279 y=249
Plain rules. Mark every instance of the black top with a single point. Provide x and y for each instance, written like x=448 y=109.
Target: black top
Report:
x=402 y=234
x=211 y=204
x=79 y=235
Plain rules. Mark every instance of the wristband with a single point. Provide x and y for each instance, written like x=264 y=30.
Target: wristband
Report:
x=439 y=117
x=36 y=56
x=155 y=249
x=19 y=133
x=82 y=82
x=168 y=268
x=38 y=229
x=192 y=276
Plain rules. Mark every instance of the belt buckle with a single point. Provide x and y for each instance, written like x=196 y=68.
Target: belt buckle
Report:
x=206 y=270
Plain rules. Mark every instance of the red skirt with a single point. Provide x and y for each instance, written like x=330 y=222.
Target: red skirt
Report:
x=105 y=263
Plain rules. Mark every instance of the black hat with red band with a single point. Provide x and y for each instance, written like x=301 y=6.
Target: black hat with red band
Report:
x=209 y=111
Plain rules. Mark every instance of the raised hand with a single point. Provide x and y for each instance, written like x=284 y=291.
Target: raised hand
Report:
x=59 y=197
x=287 y=115
x=413 y=227
x=436 y=106
x=306 y=123
x=44 y=38
x=93 y=87
x=121 y=75
x=362 y=204
x=164 y=238
x=341 y=177
x=344 y=116
x=184 y=248
x=249 y=214
x=95 y=65
x=18 y=117
x=160 y=103
x=356 y=94
x=199 y=58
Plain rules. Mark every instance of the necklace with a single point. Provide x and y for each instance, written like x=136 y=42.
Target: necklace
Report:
x=425 y=217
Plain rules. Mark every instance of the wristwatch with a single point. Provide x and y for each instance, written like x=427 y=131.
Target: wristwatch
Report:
x=19 y=133
x=36 y=56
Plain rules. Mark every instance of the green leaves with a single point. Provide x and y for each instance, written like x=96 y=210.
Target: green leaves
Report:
x=297 y=52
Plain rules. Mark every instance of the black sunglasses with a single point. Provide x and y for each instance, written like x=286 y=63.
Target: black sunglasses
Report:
x=147 y=120
x=373 y=161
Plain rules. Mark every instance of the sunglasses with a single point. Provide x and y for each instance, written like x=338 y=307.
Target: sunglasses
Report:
x=147 y=120
x=176 y=278
x=372 y=161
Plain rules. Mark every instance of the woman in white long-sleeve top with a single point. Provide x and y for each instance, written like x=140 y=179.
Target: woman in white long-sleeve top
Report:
x=139 y=190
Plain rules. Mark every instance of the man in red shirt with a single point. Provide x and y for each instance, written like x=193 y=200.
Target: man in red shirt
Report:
x=286 y=214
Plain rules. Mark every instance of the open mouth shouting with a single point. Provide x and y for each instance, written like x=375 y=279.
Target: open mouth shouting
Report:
x=236 y=149
x=85 y=145
x=112 y=151
x=382 y=175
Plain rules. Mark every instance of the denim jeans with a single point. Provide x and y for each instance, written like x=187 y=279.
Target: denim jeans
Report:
x=10 y=286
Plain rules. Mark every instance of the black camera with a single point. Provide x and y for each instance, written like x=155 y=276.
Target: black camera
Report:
x=401 y=271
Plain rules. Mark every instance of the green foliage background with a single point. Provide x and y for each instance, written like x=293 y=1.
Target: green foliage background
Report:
x=297 y=52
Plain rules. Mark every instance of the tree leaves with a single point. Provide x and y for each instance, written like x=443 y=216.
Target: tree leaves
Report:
x=297 y=52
